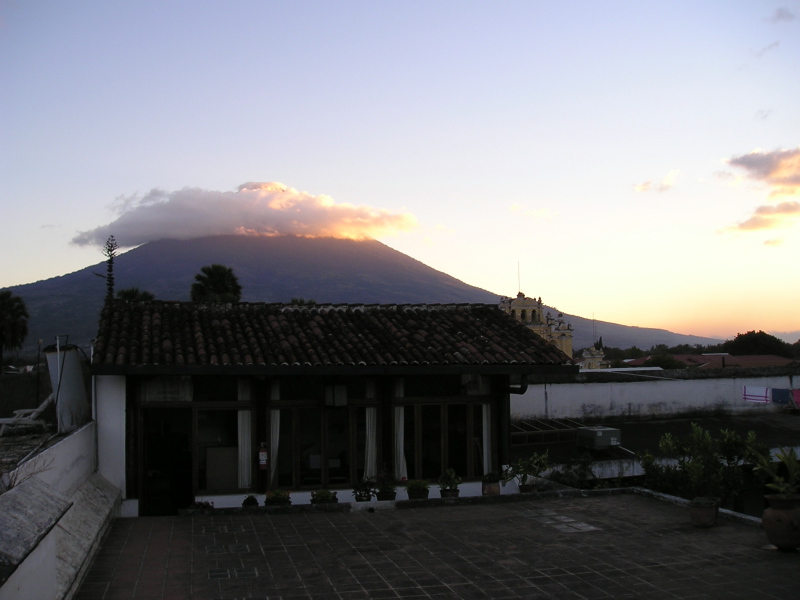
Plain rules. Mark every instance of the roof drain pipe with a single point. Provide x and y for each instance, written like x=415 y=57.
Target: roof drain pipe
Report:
x=523 y=385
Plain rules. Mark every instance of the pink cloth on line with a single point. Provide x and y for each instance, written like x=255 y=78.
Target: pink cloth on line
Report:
x=796 y=397
x=756 y=394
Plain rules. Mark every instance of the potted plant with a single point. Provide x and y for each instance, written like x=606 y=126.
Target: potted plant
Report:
x=491 y=483
x=418 y=489
x=201 y=507
x=323 y=497
x=363 y=490
x=781 y=519
x=278 y=498
x=448 y=484
x=526 y=469
x=706 y=470
x=387 y=486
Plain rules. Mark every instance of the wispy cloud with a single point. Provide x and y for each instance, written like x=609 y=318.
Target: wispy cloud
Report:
x=779 y=169
x=664 y=185
x=765 y=49
x=782 y=14
x=770 y=216
x=254 y=209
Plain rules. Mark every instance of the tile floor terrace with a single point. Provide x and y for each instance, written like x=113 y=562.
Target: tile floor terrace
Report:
x=609 y=546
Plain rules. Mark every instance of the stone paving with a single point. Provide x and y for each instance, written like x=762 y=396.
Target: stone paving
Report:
x=599 y=546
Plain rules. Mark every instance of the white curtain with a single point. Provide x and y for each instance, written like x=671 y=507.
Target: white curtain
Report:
x=400 y=466
x=245 y=438
x=487 y=438
x=371 y=451
x=274 y=441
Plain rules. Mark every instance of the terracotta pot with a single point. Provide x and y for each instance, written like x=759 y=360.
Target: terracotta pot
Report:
x=491 y=489
x=781 y=522
x=703 y=513
x=418 y=494
x=449 y=493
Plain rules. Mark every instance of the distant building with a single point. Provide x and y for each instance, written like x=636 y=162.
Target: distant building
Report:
x=530 y=311
x=592 y=358
x=722 y=361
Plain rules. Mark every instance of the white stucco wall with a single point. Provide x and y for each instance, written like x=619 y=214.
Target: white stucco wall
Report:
x=35 y=578
x=66 y=465
x=110 y=410
x=639 y=398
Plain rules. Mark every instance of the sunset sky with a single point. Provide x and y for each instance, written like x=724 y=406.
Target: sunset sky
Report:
x=638 y=162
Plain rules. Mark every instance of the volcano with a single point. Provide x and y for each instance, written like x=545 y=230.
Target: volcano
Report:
x=270 y=269
x=277 y=269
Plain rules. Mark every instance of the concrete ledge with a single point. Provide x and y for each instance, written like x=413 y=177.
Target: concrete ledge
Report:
x=28 y=512
x=723 y=512
x=81 y=531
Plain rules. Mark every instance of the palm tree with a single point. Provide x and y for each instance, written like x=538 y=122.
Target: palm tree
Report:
x=216 y=283
x=134 y=294
x=13 y=322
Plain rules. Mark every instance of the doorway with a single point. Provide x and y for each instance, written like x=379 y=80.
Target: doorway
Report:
x=166 y=475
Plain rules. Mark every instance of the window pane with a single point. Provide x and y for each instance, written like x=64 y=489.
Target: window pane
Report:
x=309 y=445
x=480 y=442
x=361 y=441
x=431 y=438
x=218 y=450
x=410 y=442
x=448 y=385
x=457 y=439
x=338 y=454
x=285 y=471
x=215 y=389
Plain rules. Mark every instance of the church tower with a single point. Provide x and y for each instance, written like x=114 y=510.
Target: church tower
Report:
x=529 y=311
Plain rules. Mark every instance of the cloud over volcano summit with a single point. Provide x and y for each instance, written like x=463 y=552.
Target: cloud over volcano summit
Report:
x=255 y=208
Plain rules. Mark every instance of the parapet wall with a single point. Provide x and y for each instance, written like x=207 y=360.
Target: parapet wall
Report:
x=648 y=393
x=53 y=520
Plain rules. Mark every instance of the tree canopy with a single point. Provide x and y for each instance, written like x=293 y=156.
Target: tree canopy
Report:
x=110 y=252
x=133 y=294
x=750 y=343
x=216 y=283
x=13 y=322
x=758 y=342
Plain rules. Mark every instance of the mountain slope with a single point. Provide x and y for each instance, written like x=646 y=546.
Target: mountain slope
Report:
x=270 y=269
x=277 y=269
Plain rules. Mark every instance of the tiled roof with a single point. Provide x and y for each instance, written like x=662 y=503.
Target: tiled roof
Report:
x=179 y=336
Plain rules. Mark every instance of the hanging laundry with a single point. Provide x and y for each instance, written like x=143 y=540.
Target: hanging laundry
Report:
x=756 y=394
x=780 y=396
x=796 y=396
